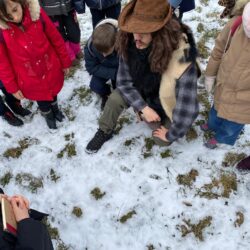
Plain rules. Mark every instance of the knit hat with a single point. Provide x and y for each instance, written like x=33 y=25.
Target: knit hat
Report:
x=144 y=16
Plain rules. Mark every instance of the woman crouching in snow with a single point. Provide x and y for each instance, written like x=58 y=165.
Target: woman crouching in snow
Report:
x=33 y=56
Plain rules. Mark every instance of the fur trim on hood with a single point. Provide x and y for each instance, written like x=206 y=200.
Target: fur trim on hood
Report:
x=34 y=9
x=239 y=7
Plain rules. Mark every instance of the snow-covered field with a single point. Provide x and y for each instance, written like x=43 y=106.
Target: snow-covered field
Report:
x=142 y=203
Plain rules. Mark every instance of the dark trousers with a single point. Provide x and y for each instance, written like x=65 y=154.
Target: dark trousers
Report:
x=111 y=12
x=68 y=26
x=10 y=100
x=99 y=85
x=226 y=131
x=45 y=106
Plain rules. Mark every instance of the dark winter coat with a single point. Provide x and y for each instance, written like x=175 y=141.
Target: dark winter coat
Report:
x=98 y=65
x=33 y=60
x=101 y=4
x=184 y=5
x=56 y=7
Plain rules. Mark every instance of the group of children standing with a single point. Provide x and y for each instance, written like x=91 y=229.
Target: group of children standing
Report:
x=35 y=57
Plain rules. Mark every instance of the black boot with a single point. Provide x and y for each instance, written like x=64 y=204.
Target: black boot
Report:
x=50 y=119
x=98 y=140
x=17 y=108
x=56 y=111
x=12 y=119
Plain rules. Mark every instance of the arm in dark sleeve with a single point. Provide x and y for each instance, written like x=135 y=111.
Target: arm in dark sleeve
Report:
x=96 y=68
x=187 y=108
x=32 y=234
x=125 y=86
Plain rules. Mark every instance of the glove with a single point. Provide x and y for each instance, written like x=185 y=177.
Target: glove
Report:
x=209 y=83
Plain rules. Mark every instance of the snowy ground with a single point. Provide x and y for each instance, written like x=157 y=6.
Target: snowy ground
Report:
x=135 y=179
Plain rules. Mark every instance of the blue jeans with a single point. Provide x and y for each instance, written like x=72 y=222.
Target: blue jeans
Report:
x=226 y=131
x=99 y=86
x=111 y=12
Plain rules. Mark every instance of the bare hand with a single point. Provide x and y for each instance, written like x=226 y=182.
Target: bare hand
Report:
x=18 y=95
x=26 y=201
x=20 y=210
x=161 y=133
x=3 y=196
x=66 y=71
x=150 y=115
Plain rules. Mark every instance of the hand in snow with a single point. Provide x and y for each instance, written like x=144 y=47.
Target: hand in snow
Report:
x=66 y=71
x=18 y=95
x=150 y=115
x=161 y=133
x=20 y=209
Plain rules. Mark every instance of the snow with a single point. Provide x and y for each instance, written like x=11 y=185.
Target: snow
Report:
x=131 y=182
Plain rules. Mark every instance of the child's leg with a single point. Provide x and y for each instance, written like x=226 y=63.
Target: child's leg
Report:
x=99 y=86
x=228 y=132
x=15 y=104
x=97 y=16
x=57 y=113
x=7 y=115
x=113 y=11
x=214 y=122
x=46 y=110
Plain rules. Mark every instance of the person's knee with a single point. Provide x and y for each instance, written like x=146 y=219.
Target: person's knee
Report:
x=115 y=100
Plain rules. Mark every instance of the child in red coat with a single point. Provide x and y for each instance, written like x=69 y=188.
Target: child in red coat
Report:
x=33 y=56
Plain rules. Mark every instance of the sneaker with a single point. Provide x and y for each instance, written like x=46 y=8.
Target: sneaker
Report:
x=204 y=127
x=50 y=119
x=98 y=140
x=244 y=165
x=57 y=112
x=211 y=143
x=17 y=108
x=12 y=119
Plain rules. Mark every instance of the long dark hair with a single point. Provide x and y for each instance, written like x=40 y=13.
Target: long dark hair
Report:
x=3 y=11
x=164 y=42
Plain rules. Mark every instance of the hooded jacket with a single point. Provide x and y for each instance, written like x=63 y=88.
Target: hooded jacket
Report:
x=231 y=68
x=33 y=58
x=101 y=4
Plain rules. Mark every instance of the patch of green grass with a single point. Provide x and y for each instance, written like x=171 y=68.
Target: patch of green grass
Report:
x=29 y=182
x=231 y=159
x=83 y=94
x=120 y=123
x=68 y=137
x=53 y=231
x=77 y=211
x=127 y=216
x=196 y=229
x=191 y=134
x=150 y=247
x=187 y=179
x=204 y=2
x=53 y=176
x=69 y=149
x=167 y=153
x=69 y=113
x=17 y=151
x=200 y=27
x=225 y=185
x=97 y=193
x=5 y=179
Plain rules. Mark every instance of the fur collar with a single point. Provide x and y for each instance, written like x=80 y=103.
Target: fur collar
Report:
x=34 y=9
x=238 y=7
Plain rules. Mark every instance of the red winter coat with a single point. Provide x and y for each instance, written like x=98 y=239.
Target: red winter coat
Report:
x=32 y=60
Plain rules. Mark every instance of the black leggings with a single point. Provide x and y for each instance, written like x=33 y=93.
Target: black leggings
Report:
x=68 y=26
x=45 y=106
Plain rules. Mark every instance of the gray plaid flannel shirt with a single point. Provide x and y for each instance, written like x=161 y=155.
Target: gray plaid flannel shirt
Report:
x=186 y=109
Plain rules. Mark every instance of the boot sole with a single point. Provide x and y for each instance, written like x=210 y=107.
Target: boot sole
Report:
x=90 y=152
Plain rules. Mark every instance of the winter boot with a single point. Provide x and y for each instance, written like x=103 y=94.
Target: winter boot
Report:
x=57 y=113
x=244 y=165
x=97 y=141
x=12 y=119
x=17 y=108
x=50 y=119
x=211 y=143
